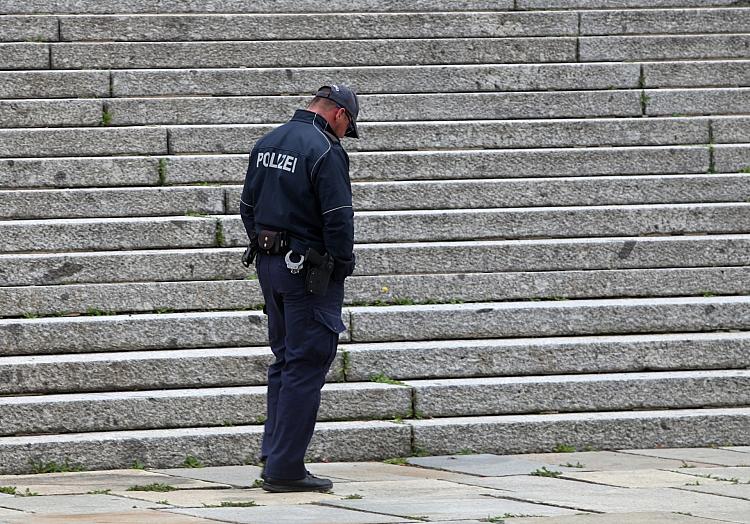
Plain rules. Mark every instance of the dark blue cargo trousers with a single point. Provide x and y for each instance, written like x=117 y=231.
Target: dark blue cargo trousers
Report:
x=303 y=331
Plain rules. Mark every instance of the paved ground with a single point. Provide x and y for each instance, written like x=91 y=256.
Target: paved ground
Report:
x=692 y=486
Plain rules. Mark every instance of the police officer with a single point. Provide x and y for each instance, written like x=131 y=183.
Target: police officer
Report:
x=297 y=210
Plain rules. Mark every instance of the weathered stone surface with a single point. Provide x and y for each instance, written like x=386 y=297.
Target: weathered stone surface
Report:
x=466 y=287
x=640 y=517
x=61 y=504
x=404 y=107
x=387 y=259
x=489 y=134
x=538 y=433
x=28 y=28
x=131 y=516
x=530 y=356
x=720 y=457
x=215 y=498
x=85 y=203
x=631 y=48
x=600 y=392
x=376 y=471
x=698 y=101
x=436 y=165
x=187 y=408
x=291 y=514
x=107 y=233
x=78 y=172
x=519 y=319
x=437 y=500
x=601 y=4
x=429 y=225
x=383 y=79
x=125 y=55
x=123 y=266
x=82 y=141
x=24 y=56
x=238 y=27
x=609 y=499
x=482 y=464
x=81 y=482
x=731 y=129
x=732 y=158
x=50 y=113
x=251 y=6
x=54 y=84
x=727 y=474
x=118 y=333
x=611 y=461
x=672 y=21
x=732 y=73
x=236 y=476
x=212 y=446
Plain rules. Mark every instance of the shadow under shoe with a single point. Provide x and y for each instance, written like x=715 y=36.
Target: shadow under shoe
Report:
x=309 y=483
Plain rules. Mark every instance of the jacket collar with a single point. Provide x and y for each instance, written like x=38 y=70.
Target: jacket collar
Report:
x=309 y=117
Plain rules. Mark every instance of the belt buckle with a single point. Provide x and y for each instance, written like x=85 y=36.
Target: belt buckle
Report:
x=294 y=267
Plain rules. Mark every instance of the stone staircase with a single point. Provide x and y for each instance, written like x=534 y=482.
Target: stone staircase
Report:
x=552 y=226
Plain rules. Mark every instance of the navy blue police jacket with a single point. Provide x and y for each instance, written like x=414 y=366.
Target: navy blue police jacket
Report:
x=298 y=181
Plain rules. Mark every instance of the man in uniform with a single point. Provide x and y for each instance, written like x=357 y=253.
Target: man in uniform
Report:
x=297 y=210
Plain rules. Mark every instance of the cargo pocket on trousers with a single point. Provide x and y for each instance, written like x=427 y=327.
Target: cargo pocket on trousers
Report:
x=330 y=320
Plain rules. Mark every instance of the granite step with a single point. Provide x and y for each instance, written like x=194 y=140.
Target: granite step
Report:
x=434 y=360
x=377 y=440
x=418 y=78
x=54 y=84
x=212 y=446
x=381 y=196
x=335 y=6
x=555 y=318
x=661 y=47
x=149 y=297
x=471 y=134
x=29 y=28
x=186 y=408
x=376 y=166
x=729 y=73
x=580 y=393
x=313 y=53
x=103 y=234
x=697 y=101
x=341 y=26
x=376 y=136
x=23 y=55
x=610 y=430
x=89 y=334
x=665 y=21
x=380 y=260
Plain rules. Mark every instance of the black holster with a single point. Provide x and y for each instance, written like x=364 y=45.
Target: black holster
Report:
x=319 y=269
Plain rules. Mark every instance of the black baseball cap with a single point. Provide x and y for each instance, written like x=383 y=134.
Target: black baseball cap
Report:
x=344 y=97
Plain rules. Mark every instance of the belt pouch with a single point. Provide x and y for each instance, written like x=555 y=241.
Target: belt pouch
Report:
x=272 y=242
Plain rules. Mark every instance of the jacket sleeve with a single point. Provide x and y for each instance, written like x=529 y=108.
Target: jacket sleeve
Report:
x=334 y=191
x=247 y=202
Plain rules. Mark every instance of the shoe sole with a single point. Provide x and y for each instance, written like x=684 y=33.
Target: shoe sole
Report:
x=274 y=488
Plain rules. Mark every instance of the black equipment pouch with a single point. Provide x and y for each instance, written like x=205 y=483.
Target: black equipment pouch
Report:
x=273 y=242
x=319 y=269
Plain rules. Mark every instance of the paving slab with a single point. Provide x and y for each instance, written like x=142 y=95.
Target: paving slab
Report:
x=292 y=515
x=741 y=449
x=723 y=489
x=237 y=476
x=377 y=471
x=720 y=457
x=608 y=499
x=641 y=478
x=730 y=474
x=483 y=465
x=199 y=498
x=610 y=461
x=649 y=517
x=125 y=517
x=74 y=483
x=435 y=500
x=73 y=504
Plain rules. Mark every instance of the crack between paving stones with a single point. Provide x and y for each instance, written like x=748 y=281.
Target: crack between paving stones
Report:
x=708 y=493
x=531 y=501
x=347 y=508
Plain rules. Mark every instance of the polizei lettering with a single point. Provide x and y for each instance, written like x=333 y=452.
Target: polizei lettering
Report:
x=277 y=161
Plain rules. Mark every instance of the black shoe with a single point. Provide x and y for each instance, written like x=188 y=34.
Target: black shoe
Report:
x=309 y=483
